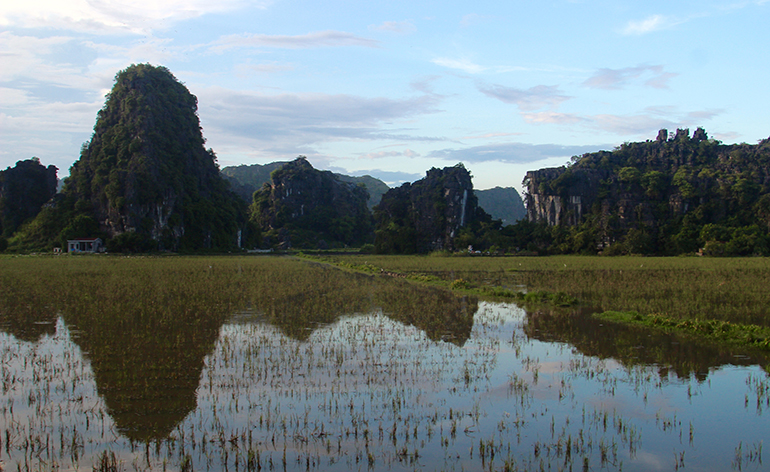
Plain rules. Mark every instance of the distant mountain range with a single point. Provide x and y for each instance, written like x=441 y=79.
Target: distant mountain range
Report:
x=502 y=203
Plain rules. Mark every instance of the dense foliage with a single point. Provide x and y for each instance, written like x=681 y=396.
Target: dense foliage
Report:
x=24 y=189
x=245 y=180
x=306 y=208
x=438 y=212
x=668 y=196
x=144 y=179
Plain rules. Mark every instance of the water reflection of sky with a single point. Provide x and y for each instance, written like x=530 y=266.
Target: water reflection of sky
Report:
x=366 y=392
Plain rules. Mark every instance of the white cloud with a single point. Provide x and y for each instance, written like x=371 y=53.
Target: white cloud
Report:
x=533 y=98
x=461 y=64
x=398 y=27
x=548 y=117
x=491 y=135
x=661 y=81
x=247 y=70
x=514 y=153
x=703 y=115
x=639 y=125
x=391 y=178
x=286 y=124
x=648 y=25
x=385 y=154
x=472 y=19
x=111 y=16
x=310 y=40
x=615 y=79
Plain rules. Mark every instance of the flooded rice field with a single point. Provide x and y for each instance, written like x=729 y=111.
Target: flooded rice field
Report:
x=403 y=377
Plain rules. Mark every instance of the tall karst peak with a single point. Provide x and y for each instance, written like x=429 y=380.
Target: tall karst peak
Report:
x=145 y=170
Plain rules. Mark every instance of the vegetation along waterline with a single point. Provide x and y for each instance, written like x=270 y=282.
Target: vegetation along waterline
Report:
x=260 y=362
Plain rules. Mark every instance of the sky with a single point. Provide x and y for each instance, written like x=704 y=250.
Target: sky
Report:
x=392 y=89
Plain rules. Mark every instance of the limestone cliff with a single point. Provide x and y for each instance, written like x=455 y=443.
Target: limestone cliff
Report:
x=426 y=215
x=667 y=196
x=247 y=179
x=24 y=189
x=306 y=208
x=146 y=172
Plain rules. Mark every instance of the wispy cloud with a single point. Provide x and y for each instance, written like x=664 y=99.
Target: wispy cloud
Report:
x=392 y=178
x=472 y=19
x=645 y=123
x=491 y=135
x=649 y=24
x=246 y=70
x=289 y=123
x=703 y=115
x=398 y=27
x=460 y=64
x=661 y=81
x=315 y=39
x=513 y=153
x=639 y=125
x=534 y=98
x=615 y=79
x=385 y=154
x=425 y=84
x=112 y=16
x=549 y=117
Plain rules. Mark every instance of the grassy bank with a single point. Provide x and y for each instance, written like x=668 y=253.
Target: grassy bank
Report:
x=735 y=334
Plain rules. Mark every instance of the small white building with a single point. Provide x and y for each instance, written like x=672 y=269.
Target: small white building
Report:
x=85 y=245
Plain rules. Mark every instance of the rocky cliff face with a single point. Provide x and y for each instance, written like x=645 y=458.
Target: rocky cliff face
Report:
x=24 y=189
x=146 y=171
x=561 y=196
x=305 y=207
x=426 y=215
x=247 y=179
x=664 y=192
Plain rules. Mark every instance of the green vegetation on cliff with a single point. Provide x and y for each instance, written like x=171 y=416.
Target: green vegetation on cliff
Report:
x=667 y=197
x=144 y=181
x=245 y=180
x=437 y=213
x=24 y=189
x=303 y=207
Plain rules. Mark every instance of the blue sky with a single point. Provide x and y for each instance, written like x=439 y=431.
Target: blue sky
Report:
x=394 y=88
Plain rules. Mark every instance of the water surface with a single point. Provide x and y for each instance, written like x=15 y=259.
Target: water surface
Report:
x=361 y=373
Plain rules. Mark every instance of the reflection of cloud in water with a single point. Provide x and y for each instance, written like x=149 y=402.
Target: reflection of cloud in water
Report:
x=315 y=392
x=652 y=461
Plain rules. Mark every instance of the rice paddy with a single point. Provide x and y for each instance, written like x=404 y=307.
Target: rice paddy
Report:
x=273 y=363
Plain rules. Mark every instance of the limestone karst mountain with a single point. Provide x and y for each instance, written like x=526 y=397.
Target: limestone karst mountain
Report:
x=145 y=179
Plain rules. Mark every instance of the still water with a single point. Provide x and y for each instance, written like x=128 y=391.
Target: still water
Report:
x=475 y=386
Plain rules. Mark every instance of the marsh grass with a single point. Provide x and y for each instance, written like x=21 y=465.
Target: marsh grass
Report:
x=721 y=331
x=726 y=289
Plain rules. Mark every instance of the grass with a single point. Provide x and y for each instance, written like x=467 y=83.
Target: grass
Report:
x=724 y=289
x=736 y=334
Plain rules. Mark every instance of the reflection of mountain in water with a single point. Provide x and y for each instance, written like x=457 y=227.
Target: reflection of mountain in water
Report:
x=301 y=307
x=28 y=325
x=148 y=332
x=633 y=345
x=147 y=365
x=25 y=313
